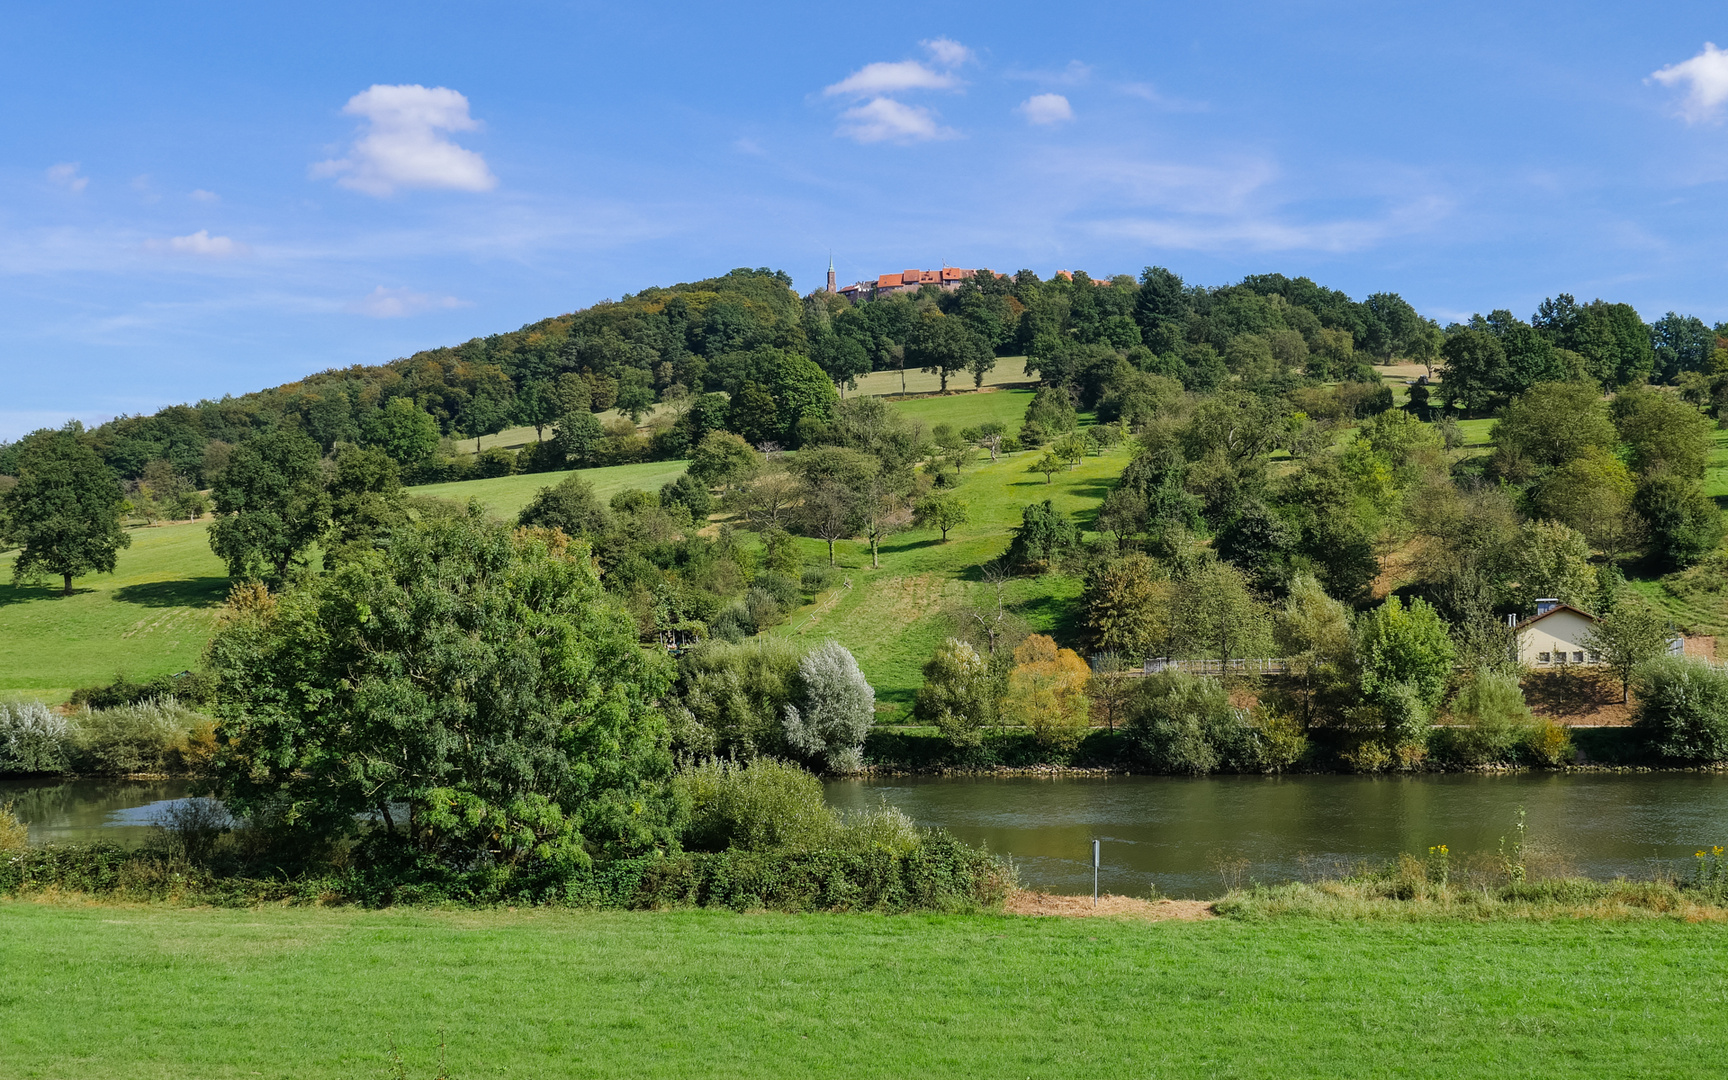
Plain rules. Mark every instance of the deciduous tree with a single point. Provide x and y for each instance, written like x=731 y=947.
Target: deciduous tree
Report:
x=64 y=511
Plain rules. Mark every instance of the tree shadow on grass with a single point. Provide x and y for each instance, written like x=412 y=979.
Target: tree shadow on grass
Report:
x=1065 y=616
x=198 y=592
x=20 y=594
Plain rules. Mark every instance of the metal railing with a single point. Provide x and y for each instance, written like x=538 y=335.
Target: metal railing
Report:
x=1261 y=666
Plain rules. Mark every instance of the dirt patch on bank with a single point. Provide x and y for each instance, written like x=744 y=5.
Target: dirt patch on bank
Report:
x=1120 y=907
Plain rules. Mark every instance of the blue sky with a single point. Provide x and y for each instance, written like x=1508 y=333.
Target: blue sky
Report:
x=199 y=199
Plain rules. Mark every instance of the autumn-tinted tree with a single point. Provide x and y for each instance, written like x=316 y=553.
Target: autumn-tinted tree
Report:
x=64 y=511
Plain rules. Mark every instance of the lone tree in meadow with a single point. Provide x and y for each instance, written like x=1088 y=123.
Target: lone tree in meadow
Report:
x=942 y=512
x=271 y=505
x=64 y=512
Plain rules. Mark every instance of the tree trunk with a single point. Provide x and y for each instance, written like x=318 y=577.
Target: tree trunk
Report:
x=68 y=590
x=875 y=563
x=830 y=553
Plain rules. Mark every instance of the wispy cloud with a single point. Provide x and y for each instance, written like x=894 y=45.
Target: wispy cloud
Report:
x=1149 y=93
x=948 y=52
x=887 y=120
x=889 y=77
x=200 y=195
x=1705 y=77
x=201 y=244
x=1046 y=109
x=65 y=175
x=404 y=145
x=385 y=303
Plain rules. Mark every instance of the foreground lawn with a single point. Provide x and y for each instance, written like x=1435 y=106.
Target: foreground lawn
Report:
x=150 y=617
x=163 y=992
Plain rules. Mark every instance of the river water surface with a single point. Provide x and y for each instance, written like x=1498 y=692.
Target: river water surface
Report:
x=1186 y=836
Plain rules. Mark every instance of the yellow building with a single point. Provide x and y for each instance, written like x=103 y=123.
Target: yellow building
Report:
x=1558 y=635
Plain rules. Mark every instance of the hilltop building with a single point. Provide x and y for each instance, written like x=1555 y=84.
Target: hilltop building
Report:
x=947 y=278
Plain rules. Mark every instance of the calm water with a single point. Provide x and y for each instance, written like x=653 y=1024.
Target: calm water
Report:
x=1175 y=832
x=79 y=811
x=1178 y=833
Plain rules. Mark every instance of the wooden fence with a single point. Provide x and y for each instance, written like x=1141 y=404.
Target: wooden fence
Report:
x=1271 y=666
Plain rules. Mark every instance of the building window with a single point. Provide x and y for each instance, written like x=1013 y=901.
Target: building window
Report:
x=1578 y=658
x=1544 y=658
x=1595 y=657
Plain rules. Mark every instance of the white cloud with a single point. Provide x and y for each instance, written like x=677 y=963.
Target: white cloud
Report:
x=200 y=243
x=66 y=175
x=404 y=145
x=1046 y=109
x=947 y=52
x=383 y=303
x=887 y=78
x=200 y=195
x=887 y=120
x=1706 y=78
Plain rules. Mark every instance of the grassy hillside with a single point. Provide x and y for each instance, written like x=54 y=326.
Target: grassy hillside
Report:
x=507 y=495
x=163 y=992
x=152 y=616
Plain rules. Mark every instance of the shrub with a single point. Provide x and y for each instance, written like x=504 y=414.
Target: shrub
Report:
x=1683 y=708
x=763 y=610
x=1490 y=721
x=1185 y=724
x=817 y=578
x=151 y=737
x=956 y=694
x=779 y=586
x=495 y=461
x=33 y=739
x=762 y=805
x=836 y=709
x=1548 y=743
x=736 y=693
x=193 y=687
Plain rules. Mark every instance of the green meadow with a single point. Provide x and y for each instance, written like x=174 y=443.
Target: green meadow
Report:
x=151 y=617
x=160 y=992
x=505 y=496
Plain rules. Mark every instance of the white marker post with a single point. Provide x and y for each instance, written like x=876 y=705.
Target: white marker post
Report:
x=1094 y=873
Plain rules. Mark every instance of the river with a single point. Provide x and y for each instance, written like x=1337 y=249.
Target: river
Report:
x=1188 y=837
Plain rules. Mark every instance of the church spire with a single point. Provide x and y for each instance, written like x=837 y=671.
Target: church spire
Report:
x=831 y=287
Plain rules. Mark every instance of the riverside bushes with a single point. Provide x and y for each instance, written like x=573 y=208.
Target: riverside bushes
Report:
x=940 y=874
x=154 y=736
x=1683 y=708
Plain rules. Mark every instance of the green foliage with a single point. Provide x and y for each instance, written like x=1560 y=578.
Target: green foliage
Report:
x=942 y=346
x=939 y=511
x=1185 y=724
x=957 y=697
x=1490 y=721
x=405 y=432
x=1405 y=658
x=734 y=697
x=1684 y=524
x=722 y=458
x=571 y=506
x=1550 y=425
x=64 y=511
x=366 y=500
x=1683 y=708
x=479 y=676
x=1551 y=560
x=1044 y=536
x=759 y=805
x=832 y=709
x=1662 y=433
x=271 y=506
x=1128 y=602
x=1214 y=614
x=158 y=736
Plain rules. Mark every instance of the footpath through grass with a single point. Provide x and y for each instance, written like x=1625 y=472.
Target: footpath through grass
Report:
x=158 y=992
x=151 y=617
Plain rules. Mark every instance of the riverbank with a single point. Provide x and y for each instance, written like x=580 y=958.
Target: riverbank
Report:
x=150 y=991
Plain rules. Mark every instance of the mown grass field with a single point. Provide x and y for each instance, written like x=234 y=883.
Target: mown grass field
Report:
x=507 y=495
x=151 y=617
x=158 y=992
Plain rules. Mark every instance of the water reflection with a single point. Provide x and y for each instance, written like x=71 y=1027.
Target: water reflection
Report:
x=1187 y=835
x=81 y=811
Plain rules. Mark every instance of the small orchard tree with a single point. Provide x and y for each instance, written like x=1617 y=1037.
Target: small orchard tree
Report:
x=941 y=512
x=571 y=506
x=835 y=710
x=1627 y=637
x=64 y=511
x=956 y=695
x=1049 y=464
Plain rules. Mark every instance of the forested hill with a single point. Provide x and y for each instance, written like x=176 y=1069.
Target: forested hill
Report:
x=748 y=335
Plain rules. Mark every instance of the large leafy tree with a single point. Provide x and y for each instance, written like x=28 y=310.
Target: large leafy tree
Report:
x=475 y=677
x=941 y=346
x=1405 y=657
x=271 y=505
x=64 y=511
x=403 y=430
